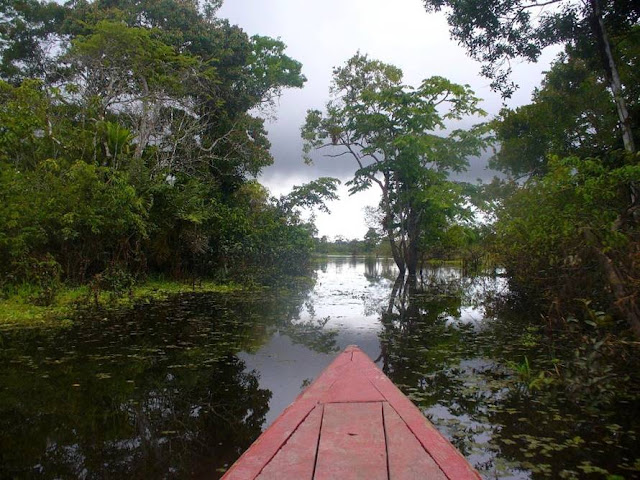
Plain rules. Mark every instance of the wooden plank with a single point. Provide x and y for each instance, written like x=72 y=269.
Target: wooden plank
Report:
x=296 y=458
x=352 y=387
x=408 y=460
x=249 y=465
x=352 y=440
x=252 y=461
x=352 y=443
x=450 y=460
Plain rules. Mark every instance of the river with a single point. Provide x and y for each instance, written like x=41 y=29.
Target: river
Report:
x=179 y=388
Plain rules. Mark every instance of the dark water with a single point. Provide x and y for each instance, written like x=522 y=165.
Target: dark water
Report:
x=179 y=388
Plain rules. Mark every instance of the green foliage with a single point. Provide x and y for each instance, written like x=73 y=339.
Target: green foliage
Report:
x=82 y=214
x=571 y=114
x=371 y=240
x=311 y=195
x=548 y=229
x=531 y=380
x=44 y=275
x=115 y=280
x=371 y=245
x=396 y=135
x=127 y=145
x=116 y=53
x=500 y=31
x=568 y=235
x=271 y=67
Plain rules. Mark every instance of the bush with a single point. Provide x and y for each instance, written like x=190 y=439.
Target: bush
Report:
x=548 y=231
x=44 y=275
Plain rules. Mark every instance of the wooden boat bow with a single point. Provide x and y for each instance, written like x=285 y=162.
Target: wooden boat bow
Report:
x=352 y=422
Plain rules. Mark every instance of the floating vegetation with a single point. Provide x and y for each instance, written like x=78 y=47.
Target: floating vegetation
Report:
x=201 y=374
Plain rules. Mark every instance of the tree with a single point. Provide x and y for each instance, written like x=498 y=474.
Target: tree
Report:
x=124 y=71
x=396 y=135
x=554 y=236
x=499 y=31
x=570 y=229
x=203 y=76
x=371 y=240
x=131 y=130
x=570 y=114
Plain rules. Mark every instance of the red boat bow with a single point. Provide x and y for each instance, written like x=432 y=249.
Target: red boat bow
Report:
x=352 y=422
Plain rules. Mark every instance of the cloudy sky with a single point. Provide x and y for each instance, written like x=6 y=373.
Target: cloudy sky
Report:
x=323 y=34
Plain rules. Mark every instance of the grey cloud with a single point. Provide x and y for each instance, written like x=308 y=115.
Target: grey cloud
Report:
x=323 y=34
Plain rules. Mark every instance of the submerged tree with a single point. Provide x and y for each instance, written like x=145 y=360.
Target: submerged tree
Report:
x=569 y=234
x=397 y=136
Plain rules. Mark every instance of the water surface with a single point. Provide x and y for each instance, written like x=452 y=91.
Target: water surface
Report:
x=179 y=388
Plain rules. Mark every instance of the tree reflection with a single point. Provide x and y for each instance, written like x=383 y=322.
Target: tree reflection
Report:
x=157 y=391
x=415 y=324
x=146 y=420
x=467 y=381
x=421 y=341
x=375 y=269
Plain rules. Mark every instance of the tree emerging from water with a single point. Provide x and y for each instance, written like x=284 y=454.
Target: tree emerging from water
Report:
x=398 y=138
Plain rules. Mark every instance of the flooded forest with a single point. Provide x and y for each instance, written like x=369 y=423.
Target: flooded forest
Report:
x=160 y=306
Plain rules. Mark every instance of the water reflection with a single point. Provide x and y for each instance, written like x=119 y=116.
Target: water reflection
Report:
x=158 y=391
x=179 y=388
x=464 y=368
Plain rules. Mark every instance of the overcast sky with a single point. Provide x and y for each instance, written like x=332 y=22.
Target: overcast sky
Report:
x=322 y=34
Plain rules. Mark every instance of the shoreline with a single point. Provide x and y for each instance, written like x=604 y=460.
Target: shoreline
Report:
x=18 y=310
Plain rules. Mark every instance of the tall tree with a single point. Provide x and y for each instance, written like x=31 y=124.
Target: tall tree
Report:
x=181 y=79
x=572 y=227
x=498 y=31
x=397 y=137
x=570 y=114
x=129 y=127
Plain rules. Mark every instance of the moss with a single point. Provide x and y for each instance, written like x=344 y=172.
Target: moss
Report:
x=17 y=307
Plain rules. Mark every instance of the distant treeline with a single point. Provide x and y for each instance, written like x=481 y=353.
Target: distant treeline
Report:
x=468 y=249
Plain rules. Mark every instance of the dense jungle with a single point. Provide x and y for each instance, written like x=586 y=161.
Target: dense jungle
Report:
x=159 y=307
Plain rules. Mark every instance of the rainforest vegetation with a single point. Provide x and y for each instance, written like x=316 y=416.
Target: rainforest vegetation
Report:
x=132 y=134
x=159 y=307
x=567 y=219
x=564 y=217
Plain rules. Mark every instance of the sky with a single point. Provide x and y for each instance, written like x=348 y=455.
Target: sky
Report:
x=323 y=34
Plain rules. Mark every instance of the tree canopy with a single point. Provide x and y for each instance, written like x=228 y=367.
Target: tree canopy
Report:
x=571 y=114
x=499 y=31
x=132 y=133
x=568 y=232
x=397 y=136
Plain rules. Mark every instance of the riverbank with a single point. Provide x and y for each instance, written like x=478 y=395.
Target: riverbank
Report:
x=19 y=309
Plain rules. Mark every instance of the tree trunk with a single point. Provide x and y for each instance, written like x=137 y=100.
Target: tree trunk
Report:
x=395 y=252
x=611 y=71
x=144 y=130
x=612 y=268
x=615 y=84
x=387 y=224
x=413 y=236
x=625 y=301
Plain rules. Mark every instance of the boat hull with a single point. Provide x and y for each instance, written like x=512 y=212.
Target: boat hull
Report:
x=352 y=422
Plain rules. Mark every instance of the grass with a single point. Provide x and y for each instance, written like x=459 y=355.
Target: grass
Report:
x=17 y=308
